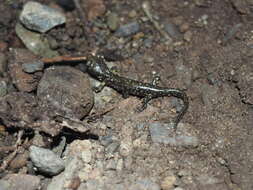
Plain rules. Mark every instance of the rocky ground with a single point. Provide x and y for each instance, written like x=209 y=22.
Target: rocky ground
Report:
x=57 y=134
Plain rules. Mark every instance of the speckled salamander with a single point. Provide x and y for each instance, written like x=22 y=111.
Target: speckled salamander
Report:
x=98 y=69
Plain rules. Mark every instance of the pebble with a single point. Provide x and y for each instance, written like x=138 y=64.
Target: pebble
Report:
x=112 y=21
x=20 y=182
x=172 y=30
x=106 y=140
x=168 y=182
x=24 y=82
x=65 y=91
x=94 y=8
x=184 y=27
x=20 y=160
x=164 y=133
x=46 y=161
x=41 y=18
x=113 y=147
x=128 y=29
x=3 y=88
x=36 y=65
x=34 y=42
x=188 y=36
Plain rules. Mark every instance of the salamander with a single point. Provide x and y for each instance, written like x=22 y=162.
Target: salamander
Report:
x=98 y=69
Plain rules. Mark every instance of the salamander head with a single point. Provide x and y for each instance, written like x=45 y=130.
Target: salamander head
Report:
x=96 y=67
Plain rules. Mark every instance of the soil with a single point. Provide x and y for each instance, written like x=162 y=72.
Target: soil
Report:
x=210 y=58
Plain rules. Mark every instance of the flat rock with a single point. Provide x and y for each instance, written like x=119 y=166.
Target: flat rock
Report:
x=41 y=18
x=164 y=133
x=23 y=81
x=65 y=91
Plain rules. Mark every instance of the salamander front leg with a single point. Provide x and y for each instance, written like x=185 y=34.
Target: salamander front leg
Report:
x=144 y=105
x=99 y=88
x=156 y=80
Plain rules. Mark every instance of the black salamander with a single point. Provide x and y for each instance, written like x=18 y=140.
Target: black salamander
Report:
x=98 y=69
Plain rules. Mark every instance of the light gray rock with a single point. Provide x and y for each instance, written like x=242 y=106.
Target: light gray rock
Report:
x=46 y=161
x=35 y=66
x=164 y=133
x=34 y=42
x=41 y=18
x=128 y=29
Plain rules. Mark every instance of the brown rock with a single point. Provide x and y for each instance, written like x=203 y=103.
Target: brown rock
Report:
x=65 y=91
x=23 y=81
x=19 y=161
x=94 y=8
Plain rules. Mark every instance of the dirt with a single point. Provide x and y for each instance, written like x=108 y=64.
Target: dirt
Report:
x=211 y=58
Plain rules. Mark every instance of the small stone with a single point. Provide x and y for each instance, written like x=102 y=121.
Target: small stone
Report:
x=86 y=156
x=106 y=140
x=94 y=8
x=32 y=67
x=25 y=82
x=34 y=42
x=41 y=18
x=168 y=182
x=132 y=14
x=112 y=21
x=184 y=27
x=188 y=36
x=128 y=29
x=111 y=148
x=171 y=29
x=46 y=161
x=20 y=160
x=20 y=182
x=3 y=88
